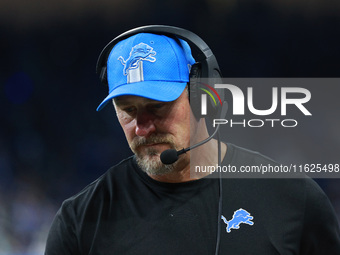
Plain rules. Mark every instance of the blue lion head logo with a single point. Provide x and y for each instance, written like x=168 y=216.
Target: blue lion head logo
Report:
x=138 y=53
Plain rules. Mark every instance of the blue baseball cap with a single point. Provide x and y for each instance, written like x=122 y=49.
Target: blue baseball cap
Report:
x=148 y=65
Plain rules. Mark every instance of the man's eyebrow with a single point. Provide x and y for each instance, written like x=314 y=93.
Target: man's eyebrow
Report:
x=121 y=101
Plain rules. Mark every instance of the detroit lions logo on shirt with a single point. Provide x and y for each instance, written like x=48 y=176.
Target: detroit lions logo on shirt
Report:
x=139 y=53
x=240 y=216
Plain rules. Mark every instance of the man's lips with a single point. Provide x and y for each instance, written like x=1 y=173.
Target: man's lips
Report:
x=155 y=145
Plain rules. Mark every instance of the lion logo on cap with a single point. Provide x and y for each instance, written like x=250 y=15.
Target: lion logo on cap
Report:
x=138 y=53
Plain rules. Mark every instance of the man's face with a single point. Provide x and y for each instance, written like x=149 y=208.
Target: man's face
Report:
x=152 y=126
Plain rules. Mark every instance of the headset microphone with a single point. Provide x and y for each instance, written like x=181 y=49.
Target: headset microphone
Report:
x=170 y=156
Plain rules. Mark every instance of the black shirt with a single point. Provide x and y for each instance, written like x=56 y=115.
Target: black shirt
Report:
x=127 y=212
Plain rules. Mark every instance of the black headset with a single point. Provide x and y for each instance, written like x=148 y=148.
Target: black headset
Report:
x=206 y=65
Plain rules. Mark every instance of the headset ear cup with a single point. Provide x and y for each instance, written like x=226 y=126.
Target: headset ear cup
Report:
x=194 y=93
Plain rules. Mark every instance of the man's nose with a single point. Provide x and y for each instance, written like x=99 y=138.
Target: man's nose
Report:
x=145 y=125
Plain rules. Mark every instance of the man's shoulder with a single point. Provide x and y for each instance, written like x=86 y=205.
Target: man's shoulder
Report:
x=104 y=185
x=267 y=171
x=298 y=184
x=238 y=155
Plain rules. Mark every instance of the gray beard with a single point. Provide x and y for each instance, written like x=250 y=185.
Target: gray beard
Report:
x=149 y=161
x=152 y=165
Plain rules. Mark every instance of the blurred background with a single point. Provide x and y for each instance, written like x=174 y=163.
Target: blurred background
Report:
x=53 y=142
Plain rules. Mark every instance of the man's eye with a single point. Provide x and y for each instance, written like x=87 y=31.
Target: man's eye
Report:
x=157 y=106
x=129 y=109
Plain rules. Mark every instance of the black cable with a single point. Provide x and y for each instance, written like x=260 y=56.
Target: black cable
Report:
x=219 y=214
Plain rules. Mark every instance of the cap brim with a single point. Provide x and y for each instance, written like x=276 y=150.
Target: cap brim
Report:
x=155 y=90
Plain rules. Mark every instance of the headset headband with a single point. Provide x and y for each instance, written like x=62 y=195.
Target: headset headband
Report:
x=200 y=50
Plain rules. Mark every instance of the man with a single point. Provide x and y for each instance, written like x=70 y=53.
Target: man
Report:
x=142 y=206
